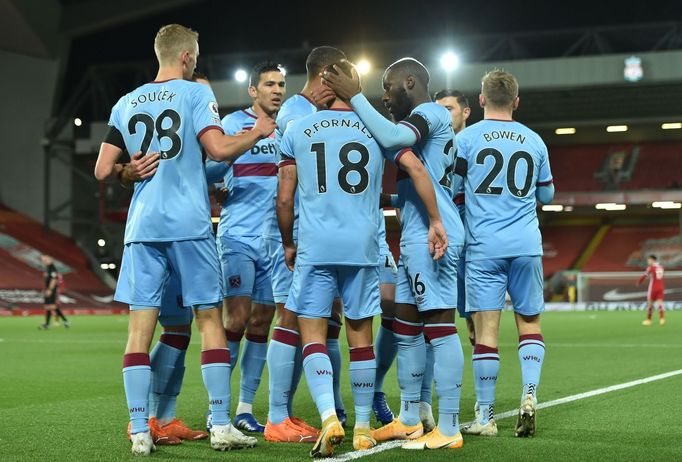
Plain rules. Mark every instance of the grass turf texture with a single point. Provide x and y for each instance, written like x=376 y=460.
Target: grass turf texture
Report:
x=62 y=394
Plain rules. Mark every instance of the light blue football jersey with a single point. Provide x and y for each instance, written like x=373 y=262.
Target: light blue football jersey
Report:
x=293 y=108
x=505 y=161
x=436 y=151
x=251 y=181
x=168 y=117
x=339 y=166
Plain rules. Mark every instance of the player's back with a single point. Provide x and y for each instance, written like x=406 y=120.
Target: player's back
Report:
x=436 y=151
x=505 y=161
x=168 y=117
x=339 y=167
x=292 y=109
x=251 y=182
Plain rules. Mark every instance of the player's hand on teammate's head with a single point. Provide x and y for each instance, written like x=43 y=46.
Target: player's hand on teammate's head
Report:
x=438 y=240
x=290 y=256
x=264 y=126
x=142 y=166
x=344 y=86
x=323 y=96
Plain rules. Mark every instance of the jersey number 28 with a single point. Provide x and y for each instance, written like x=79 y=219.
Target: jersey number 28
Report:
x=151 y=126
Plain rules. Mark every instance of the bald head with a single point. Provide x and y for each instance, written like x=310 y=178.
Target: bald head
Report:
x=410 y=67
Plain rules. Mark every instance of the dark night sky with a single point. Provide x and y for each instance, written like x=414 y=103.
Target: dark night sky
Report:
x=227 y=26
x=232 y=27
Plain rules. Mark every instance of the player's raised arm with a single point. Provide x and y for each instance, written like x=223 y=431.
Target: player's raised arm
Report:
x=220 y=147
x=390 y=135
x=438 y=239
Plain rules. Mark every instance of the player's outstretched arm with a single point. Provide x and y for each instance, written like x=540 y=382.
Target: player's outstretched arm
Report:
x=545 y=194
x=220 y=147
x=388 y=134
x=288 y=180
x=438 y=239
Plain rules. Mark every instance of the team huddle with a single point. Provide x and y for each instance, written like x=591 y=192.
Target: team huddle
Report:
x=302 y=235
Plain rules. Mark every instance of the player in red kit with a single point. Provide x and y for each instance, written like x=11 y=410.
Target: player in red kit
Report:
x=656 y=289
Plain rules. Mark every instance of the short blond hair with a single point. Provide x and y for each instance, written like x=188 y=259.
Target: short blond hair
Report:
x=500 y=88
x=172 y=40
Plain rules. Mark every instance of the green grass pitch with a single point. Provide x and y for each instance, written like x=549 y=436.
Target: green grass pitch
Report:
x=61 y=395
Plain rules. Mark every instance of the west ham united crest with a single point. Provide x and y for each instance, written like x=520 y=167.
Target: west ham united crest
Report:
x=235 y=281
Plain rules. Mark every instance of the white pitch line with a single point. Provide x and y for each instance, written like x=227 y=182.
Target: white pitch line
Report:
x=567 y=399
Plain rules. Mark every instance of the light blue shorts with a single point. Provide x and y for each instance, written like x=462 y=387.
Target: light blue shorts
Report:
x=428 y=284
x=173 y=312
x=314 y=288
x=281 y=276
x=246 y=268
x=487 y=281
x=388 y=271
x=148 y=266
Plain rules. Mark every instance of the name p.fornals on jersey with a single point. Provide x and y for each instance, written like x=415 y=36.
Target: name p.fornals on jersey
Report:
x=168 y=117
x=339 y=172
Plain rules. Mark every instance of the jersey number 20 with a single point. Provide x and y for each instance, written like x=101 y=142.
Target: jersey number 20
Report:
x=347 y=166
x=486 y=186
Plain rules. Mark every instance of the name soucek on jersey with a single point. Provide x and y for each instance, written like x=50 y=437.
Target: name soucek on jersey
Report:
x=503 y=162
x=251 y=181
x=168 y=117
x=435 y=148
x=339 y=167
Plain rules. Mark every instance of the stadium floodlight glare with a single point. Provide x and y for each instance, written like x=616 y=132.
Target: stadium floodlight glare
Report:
x=363 y=66
x=101 y=242
x=390 y=213
x=568 y=208
x=671 y=125
x=553 y=208
x=104 y=265
x=667 y=205
x=241 y=75
x=610 y=206
x=77 y=122
x=112 y=265
x=616 y=128
x=565 y=131
x=449 y=61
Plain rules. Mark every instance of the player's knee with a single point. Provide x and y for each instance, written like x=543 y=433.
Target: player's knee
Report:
x=287 y=320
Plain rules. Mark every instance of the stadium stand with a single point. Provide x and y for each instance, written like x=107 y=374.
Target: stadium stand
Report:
x=621 y=242
x=563 y=244
x=658 y=167
x=22 y=240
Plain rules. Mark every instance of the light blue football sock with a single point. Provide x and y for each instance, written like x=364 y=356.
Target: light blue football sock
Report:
x=137 y=374
x=280 y=358
x=486 y=366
